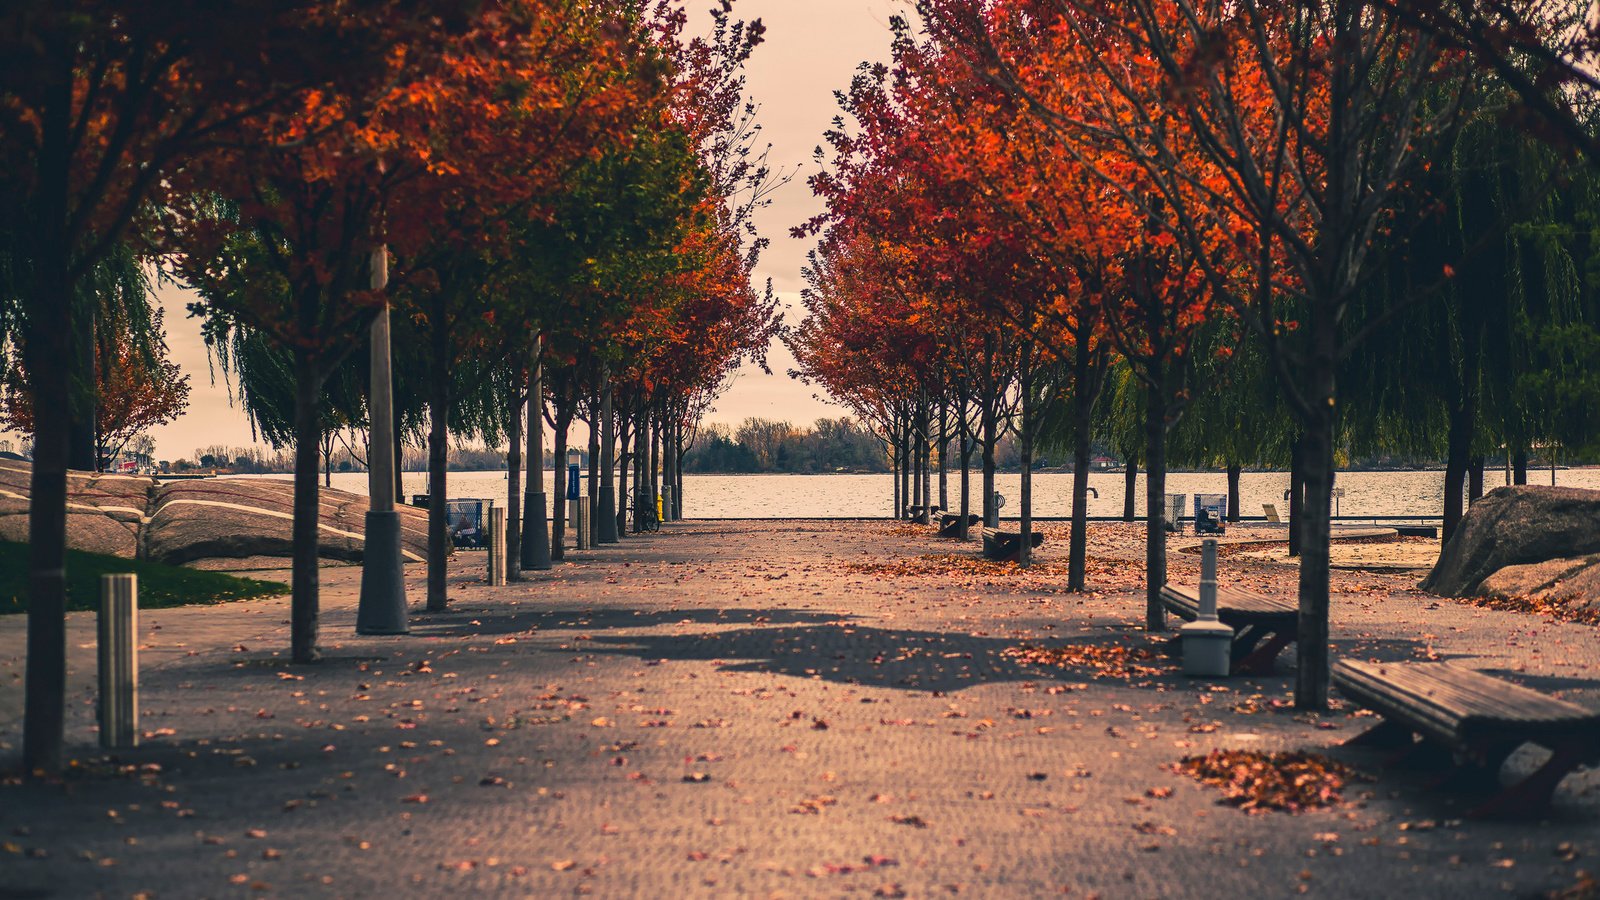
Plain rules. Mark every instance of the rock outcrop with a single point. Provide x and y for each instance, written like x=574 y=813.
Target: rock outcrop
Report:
x=1519 y=541
x=104 y=512
x=240 y=517
x=185 y=521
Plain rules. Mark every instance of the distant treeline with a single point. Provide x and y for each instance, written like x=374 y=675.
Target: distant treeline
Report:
x=763 y=445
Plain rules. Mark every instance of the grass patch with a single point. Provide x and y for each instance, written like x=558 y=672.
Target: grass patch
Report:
x=160 y=585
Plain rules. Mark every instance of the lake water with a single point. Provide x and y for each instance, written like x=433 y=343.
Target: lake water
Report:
x=808 y=496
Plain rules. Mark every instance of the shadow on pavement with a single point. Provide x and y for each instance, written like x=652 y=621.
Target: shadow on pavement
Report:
x=467 y=620
x=910 y=660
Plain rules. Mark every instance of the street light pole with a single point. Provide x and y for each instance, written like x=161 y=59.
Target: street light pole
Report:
x=382 y=608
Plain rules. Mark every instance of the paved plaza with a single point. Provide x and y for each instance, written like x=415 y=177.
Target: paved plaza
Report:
x=764 y=709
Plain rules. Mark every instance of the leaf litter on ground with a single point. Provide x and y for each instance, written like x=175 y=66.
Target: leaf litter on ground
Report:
x=1257 y=782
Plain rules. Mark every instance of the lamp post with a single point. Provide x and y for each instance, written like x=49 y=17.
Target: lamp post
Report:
x=382 y=608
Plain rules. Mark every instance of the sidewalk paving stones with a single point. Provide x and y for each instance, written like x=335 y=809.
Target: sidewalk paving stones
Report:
x=763 y=709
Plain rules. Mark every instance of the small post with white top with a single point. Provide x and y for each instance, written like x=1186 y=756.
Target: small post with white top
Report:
x=119 y=661
x=1207 y=643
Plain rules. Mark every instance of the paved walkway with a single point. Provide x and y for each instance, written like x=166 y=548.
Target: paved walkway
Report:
x=774 y=709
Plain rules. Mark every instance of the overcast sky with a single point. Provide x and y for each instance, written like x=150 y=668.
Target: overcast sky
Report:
x=812 y=48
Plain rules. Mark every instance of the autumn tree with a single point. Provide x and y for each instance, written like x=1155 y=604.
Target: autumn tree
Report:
x=1293 y=129
x=100 y=101
x=136 y=386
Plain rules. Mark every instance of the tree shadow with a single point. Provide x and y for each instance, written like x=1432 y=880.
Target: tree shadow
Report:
x=882 y=657
x=466 y=620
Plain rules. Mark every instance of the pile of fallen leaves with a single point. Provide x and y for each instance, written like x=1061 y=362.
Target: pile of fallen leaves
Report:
x=1259 y=782
x=1566 y=609
x=1113 y=661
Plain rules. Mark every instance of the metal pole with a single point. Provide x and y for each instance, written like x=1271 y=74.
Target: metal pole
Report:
x=382 y=606
x=119 y=661
x=1208 y=580
x=497 y=546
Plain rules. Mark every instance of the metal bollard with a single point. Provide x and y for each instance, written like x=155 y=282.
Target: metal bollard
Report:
x=119 y=661
x=497 y=546
x=1207 y=643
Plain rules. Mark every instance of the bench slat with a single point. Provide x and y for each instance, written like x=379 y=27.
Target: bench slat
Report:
x=1478 y=715
x=1235 y=599
x=1462 y=694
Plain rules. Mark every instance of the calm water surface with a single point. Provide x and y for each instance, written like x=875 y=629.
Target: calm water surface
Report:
x=804 y=496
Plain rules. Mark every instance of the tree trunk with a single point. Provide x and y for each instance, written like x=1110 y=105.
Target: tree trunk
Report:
x=303 y=602
x=1025 y=452
x=944 y=452
x=608 y=461
x=1311 y=679
x=1155 y=434
x=916 y=463
x=594 y=471
x=514 y=506
x=1458 y=447
x=533 y=546
x=991 y=437
x=964 y=529
x=438 y=462
x=657 y=508
x=892 y=448
x=906 y=465
x=1234 y=471
x=677 y=465
x=640 y=435
x=1519 y=467
x=926 y=439
x=628 y=458
x=1297 y=493
x=1130 y=487
x=1475 y=479
x=1082 y=445
x=558 y=511
x=50 y=364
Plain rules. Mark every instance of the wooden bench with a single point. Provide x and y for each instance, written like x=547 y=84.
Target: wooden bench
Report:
x=1262 y=626
x=1005 y=546
x=1474 y=719
x=950 y=524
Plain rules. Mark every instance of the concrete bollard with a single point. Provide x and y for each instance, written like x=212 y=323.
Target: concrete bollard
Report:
x=582 y=529
x=497 y=546
x=119 y=661
x=1207 y=643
